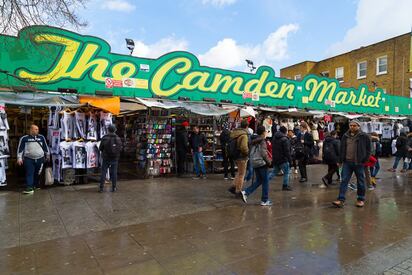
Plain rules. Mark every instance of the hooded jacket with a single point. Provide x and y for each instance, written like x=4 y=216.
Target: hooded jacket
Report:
x=332 y=155
x=242 y=142
x=363 y=147
x=402 y=146
x=264 y=150
x=281 y=149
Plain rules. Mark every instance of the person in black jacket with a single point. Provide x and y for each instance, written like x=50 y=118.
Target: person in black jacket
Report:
x=355 y=150
x=182 y=147
x=308 y=143
x=331 y=152
x=224 y=142
x=293 y=141
x=281 y=157
x=198 y=143
x=401 y=153
x=110 y=146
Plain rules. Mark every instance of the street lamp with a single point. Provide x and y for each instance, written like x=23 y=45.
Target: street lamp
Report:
x=250 y=65
x=130 y=45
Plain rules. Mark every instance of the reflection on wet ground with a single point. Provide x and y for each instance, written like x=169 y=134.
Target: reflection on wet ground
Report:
x=182 y=226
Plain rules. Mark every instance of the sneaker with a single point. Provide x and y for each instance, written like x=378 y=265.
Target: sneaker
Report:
x=360 y=203
x=28 y=191
x=266 y=203
x=352 y=186
x=37 y=188
x=296 y=171
x=371 y=188
x=287 y=188
x=325 y=181
x=244 y=196
x=232 y=190
x=100 y=190
x=226 y=178
x=196 y=178
x=391 y=170
x=203 y=177
x=114 y=189
x=232 y=177
x=338 y=203
x=322 y=186
x=303 y=180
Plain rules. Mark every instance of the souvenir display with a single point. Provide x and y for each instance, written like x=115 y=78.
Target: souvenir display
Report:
x=4 y=145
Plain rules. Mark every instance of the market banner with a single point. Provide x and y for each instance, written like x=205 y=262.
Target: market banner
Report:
x=52 y=59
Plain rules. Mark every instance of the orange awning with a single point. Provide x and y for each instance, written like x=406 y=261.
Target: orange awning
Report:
x=110 y=104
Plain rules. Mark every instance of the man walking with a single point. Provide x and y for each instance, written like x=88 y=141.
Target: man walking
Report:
x=182 y=147
x=110 y=146
x=198 y=143
x=227 y=160
x=330 y=153
x=306 y=154
x=240 y=136
x=355 y=151
x=32 y=152
x=281 y=156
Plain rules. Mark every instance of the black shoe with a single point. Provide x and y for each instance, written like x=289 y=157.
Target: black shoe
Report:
x=303 y=180
x=286 y=188
x=325 y=181
x=232 y=190
x=100 y=190
x=114 y=189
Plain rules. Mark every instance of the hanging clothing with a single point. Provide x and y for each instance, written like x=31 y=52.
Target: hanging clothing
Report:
x=105 y=121
x=57 y=166
x=55 y=141
x=79 y=155
x=66 y=149
x=80 y=124
x=91 y=127
x=92 y=152
x=67 y=128
x=4 y=144
x=387 y=132
x=53 y=121
x=3 y=168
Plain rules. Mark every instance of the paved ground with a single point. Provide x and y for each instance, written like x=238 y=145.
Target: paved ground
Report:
x=182 y=226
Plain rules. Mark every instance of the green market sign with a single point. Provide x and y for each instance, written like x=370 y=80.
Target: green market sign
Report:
x=51 y=58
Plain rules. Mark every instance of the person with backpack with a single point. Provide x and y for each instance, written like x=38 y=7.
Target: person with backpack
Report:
x=281 y=157
x=110 y=147
x=331 y=154
x=198 y=143
x=224 y=142
x=401 y=153
x=260 y=162
x=304 y=150
x=239 y=151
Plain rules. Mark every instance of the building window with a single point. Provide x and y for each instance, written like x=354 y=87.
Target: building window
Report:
x=298 y=77
x=362 y=69
x=325 y=74
x=339 y=73
x=382 y=65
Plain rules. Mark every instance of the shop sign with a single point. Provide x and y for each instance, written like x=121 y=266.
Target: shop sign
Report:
x=51 y=58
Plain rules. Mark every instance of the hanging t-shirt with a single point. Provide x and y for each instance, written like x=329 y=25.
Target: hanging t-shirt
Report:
x=4 y=144
x=92 y=127
x=66 y=149
x=92 y=154
x=66 y=126
x=387 y=132
x=55 y=141
x=79 y=155
x=54 y=117
x=331 y=126
x=105 y=121
x=56 y=160
x=80 y=120
x=3 y=172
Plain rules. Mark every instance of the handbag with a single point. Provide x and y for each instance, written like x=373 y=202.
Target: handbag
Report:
x=48 y=176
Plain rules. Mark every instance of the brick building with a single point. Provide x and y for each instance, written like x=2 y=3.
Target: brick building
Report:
x=384 y=65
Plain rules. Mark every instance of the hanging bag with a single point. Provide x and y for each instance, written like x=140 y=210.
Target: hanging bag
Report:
x=48 y=176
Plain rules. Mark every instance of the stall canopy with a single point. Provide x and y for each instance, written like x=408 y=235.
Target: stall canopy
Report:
x=39 y=99
x=110 y=104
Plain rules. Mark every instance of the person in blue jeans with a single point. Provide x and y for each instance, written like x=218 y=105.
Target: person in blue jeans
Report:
x=355 y=150
x=260 y=162
x=281 y=154
x=110 y=147
x=198 y=143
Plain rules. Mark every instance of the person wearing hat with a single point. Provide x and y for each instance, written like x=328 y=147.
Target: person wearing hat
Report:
x=110 y=147
x=182 y=147
x=355 y=151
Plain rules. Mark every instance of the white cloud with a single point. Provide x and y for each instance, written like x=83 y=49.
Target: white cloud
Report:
x=118 y=5
x=230 y=55
x=159 y=48
x=376 y=20
x=218 y=3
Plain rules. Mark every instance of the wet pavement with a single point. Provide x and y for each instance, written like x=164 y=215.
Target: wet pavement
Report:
x=185 y=226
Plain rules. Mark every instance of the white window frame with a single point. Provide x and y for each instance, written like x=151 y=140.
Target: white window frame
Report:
x=343 y=74
x=377 y=65
x=358 y=71
x=298 y=77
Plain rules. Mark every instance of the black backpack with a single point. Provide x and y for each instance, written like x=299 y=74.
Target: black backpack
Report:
x=328 y=151
x=114 y=147
x=233 y=151
x=299 y=149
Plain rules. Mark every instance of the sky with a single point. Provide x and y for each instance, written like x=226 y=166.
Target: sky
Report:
x=223 y=33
